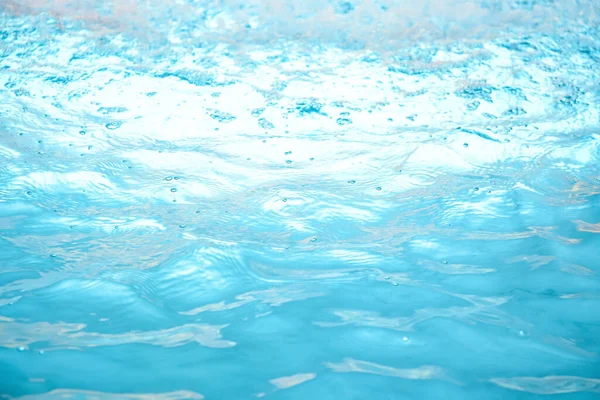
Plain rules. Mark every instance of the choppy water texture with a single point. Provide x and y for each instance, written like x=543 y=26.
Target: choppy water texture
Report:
x=300 y=200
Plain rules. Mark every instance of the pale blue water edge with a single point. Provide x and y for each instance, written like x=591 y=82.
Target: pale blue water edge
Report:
x=285 y=200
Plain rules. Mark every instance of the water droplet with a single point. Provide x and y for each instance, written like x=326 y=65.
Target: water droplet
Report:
x=248 y=159
x=352 y=182
x=176 y=178
x=473 y=106
x=82 y=132
x=287 y=153
x=378 y=188
x=313 y=159
x=265 y=124
x=182 y=226
x=476 y=189
x=264 y=141
x=314 y=239
x=117 y=227
x=52 y=255
x=21 y=348
x=197 y=211
x=173 y=190
x=113 y=125
x=29 y=192
x=284 y=199
x=466 y=144
x=343 y=121
x=390 y=120
x=288 y=161
x=221 y=116
x=444 y=262
x=168 y=178
x=395 y=283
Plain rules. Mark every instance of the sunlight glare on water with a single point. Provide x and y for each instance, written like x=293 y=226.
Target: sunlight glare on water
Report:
x=370 y=199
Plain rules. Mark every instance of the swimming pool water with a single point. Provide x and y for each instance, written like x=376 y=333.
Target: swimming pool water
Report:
x=377 y=199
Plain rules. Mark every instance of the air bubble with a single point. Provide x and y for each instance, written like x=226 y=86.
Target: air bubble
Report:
x=284 y=199
x=465 y=144
x=113 y=125
x=173 y=190
x=476 y=189
x=168 y=178
x=352 y=182
x=21 y=348
x=378 y=188
x=288 y=161
x=287 y=153
x=405 y=339
x=182 y=226
x=29 y=192
x=82 y=132
x=314 y=239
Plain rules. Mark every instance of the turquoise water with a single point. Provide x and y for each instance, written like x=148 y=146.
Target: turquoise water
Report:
x=300 y=200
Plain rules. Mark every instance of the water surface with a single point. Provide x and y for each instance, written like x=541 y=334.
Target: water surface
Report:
x=329 y=200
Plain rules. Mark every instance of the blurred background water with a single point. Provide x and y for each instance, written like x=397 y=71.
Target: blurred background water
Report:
x=228 y=199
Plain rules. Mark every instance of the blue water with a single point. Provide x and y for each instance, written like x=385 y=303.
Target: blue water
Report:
x=376 y=199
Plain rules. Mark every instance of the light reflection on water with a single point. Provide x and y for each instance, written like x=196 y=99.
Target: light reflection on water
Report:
x=233 y=199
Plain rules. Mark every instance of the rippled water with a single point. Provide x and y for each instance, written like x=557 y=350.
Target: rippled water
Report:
x=293 y=200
